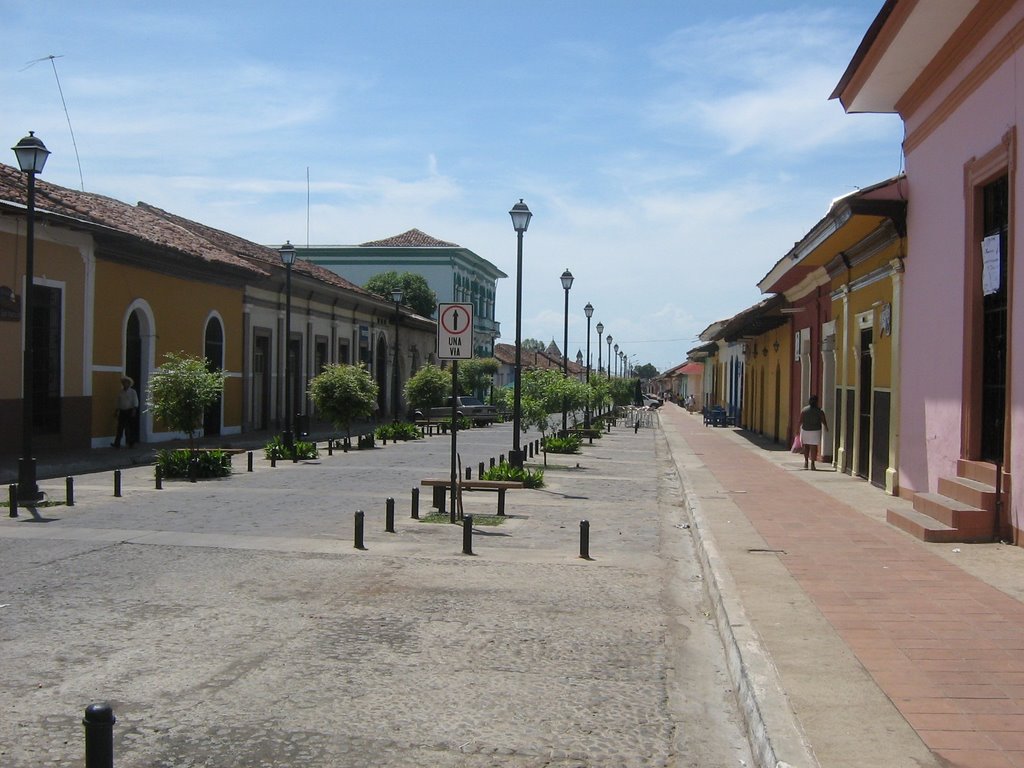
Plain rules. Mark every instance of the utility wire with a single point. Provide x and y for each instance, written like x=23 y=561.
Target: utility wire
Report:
x=67 y=115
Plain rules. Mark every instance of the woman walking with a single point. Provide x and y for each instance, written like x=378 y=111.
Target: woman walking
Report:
x=812 y=423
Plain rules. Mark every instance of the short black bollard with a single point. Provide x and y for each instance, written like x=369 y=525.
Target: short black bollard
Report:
x=467 y=534
x=636 y=427
x=530 y=449
x=117 y=483
x=99 y=736
x=273 y=461
x=158 y=477
x=501 y=459
x=12 y=499
x=389 y=515
x=249 y=462
x=469 y=473
x=585 y=539
x=193 y=470
x=480 y=471
x=492 y=462
x=69 y=490
x=346 y=445
x=359 y=529
x=415 y=505
x=330 y=447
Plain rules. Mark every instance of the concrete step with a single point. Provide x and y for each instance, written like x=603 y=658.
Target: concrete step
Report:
x=921 y=526
x=982 y=471
x=975 y=493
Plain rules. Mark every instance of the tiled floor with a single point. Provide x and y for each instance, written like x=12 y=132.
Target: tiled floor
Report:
x=947 y=648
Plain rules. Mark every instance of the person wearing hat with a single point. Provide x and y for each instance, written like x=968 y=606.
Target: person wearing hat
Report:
x=127 y=409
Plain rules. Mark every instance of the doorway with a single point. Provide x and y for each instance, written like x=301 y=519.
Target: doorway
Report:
x=995 y=215
x=864 y=404
x=261 y=380
x=213 y=350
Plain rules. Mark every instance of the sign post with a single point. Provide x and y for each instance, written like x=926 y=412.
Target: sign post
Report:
x=454 y=342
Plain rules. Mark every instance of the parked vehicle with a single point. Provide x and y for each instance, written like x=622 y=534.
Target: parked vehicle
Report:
x=472 y=408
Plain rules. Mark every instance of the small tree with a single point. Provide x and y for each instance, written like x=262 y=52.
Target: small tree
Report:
x=477 y=375
x=533 y=345
x=416 y=292
x=430 y=386
x=181 y=391
x=344 y=393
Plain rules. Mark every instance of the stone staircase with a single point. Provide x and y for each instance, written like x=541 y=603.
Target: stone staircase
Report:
x=963 y=510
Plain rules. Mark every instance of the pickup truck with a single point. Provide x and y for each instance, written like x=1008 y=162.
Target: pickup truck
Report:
x=470 y=407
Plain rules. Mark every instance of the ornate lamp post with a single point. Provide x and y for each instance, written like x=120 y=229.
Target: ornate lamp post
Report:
x=31 y=154
x=520 y=221
x=600 y=331
x=566 y=279
x=287 y=252
x=589 y=312
x=396 y=296
x=609 y=369
x=618 y=359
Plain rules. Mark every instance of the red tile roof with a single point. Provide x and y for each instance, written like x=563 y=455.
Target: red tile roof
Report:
x=414 y=238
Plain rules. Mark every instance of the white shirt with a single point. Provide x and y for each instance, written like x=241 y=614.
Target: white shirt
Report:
x=127 y=399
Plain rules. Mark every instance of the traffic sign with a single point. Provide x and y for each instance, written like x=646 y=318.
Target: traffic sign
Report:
x=455 y=331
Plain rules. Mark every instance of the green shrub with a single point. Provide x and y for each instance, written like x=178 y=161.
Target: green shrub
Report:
x=398 y=430
x=530 y=478
x=175 y=463
x=276 y=449
x=568 y=444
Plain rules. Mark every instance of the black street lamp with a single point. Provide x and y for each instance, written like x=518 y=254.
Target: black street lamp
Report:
x=566 y=279
x=396 y=296
x=31 y=154
x=589 y=312
x=520 y=221
x=617 y=359
x=600 y=330
x=609 y=370
x=288 y=252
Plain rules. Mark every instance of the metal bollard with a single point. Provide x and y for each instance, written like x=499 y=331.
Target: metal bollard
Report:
x=389 y=515
x=117 y=483
x=346 y=445
x=359 y=529
x=273 y=461
x=69 y=490
x=330 y=447
x=249 y=462
x=99 y=736
x=585 y=539
x=529 y=449
x=469 y=473
x=492 y=462
x=159 y=477
x=480 y=471
x=415 y=511
x=193 y=470
x=467 y=534
x=501 y=459
x=12 y=499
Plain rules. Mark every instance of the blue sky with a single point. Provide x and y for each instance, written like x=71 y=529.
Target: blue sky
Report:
x=671 y=150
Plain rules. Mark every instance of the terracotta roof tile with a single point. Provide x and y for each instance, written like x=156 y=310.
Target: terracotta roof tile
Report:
x=414 y=238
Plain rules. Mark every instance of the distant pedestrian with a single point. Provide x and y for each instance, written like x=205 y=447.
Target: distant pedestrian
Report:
x=812 y=424
x=127 y=410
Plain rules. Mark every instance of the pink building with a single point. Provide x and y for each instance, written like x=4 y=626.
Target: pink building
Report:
x=950 y=69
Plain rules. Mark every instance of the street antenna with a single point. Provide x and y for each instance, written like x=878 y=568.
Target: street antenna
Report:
x=53 y=62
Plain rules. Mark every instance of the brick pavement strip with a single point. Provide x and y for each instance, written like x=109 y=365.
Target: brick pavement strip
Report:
x=233 y=623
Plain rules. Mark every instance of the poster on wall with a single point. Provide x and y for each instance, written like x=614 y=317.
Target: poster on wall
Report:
x=990 y=262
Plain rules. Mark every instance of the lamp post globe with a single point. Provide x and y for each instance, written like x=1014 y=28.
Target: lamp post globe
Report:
x=31 y=154
x=521 y=216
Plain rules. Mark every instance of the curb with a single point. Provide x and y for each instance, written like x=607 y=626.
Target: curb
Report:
x=753 y=675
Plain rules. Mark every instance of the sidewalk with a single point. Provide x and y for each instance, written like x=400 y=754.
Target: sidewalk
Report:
x=890 y=652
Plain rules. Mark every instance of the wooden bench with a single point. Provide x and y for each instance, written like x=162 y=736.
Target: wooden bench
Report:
x=432 y=427
x=441 y=487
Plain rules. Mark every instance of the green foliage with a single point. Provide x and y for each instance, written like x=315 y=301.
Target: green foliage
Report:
x=175 y=463
x=477 y=375
x=530 y=478
x=599 y=395
x=276 y=449
x=533 y=345
x=545 y=393
x=568 y=444
x=181 y=390
x=622 y=391
x=343 y=394
x=398 y=430
x=429 y=387
x=645 y=371
x=416 y=293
